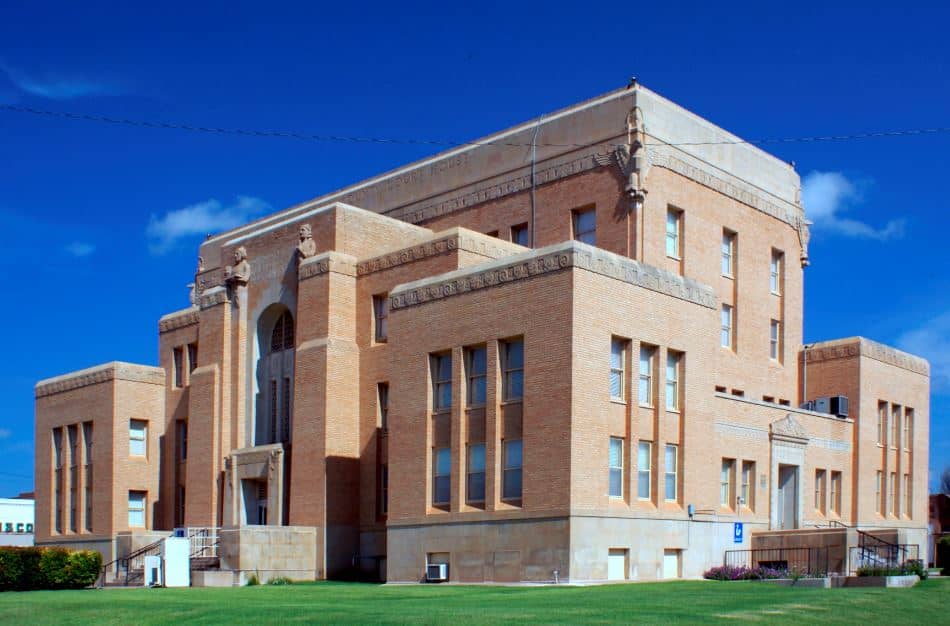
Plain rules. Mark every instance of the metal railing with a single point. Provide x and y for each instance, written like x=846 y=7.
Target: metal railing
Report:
x=204 y=542
x=810 y=561
x=881 y=555
x=132 y=561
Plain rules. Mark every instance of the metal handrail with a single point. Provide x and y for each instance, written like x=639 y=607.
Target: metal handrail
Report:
x=125 y=562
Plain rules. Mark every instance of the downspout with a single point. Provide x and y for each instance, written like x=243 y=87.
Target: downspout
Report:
x=534 y=157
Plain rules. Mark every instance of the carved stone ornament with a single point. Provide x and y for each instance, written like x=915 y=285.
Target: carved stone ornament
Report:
x=804 y=234
x=306 y=248
x=789 y=429
x=631 y=157
x=239 y=273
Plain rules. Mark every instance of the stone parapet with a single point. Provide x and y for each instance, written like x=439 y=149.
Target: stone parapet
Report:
x=116 y=370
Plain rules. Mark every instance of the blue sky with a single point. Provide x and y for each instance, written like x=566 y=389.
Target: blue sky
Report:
x=99 y=224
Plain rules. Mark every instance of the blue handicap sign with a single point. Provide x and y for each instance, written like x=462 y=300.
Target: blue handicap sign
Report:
x=737 y=532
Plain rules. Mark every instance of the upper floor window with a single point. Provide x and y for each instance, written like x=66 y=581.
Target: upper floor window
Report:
x=441 y=381
x=673 y=363
x=674 y=226
x=616 y=467
x=512 y=368
x=87 y=441
x=182 y=440
x=585 y=225
x=618 y=356
x=775 y=271
x=192 y=357
x=647 y=360
x=908 y=428
x=881 y=422
x=382 y=396
x=178 y=367
x=725 y=339
x=138 y=434
x=58 y=447
x=728 y=253
x=137 y=509
x=775 y=340
x=441 y=476
x=670 y=471
x=644 y=469
x=895 y=424
x=511 y=470
x=519 y=234
x=282 y=336
x=475 y=487
x=73 y=432
x=475 y=372
x=381 y=317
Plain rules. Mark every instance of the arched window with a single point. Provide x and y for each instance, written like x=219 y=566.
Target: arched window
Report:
x=282 y=337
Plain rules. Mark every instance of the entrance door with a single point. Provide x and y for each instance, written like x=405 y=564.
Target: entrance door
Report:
x=671 y=564
x=616 y=564
x=788 y=497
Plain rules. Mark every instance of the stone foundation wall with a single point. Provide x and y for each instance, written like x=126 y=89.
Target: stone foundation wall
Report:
x=270 y=551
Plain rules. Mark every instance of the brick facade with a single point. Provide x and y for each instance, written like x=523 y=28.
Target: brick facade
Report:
x=246 y=425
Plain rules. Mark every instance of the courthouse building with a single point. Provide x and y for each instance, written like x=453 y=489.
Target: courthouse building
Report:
x=571 y=350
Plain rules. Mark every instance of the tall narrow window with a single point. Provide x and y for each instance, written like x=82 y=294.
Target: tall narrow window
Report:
x=618 y=356
x=820 y=491
x=881 y=422
x=775 y=340
x=192 y=357
x=138 y=437
x=178 y=367
x=87 y=472
x=908 y=428
x=728 y=253
x=908 y=496
x=585 y=225
x=475 y=372
x=878 y=495
x=441 y=381
x=136 y=509
x=381 y=316
x=274 y=419
x=519 y=234
x=383 y=489
x=285 y=410
x=891 y=500
x=775 y=271
x=674 y=224
x=182 y=440
x=670 y=472
x=673 y=363
x=180 y=506
x=836 y=493
x=72 y=432
x=644 y=466
x=645 y=390
x=727 y=474
x=475 y=486
x=895 y=425
x=382 y=398
x=616 y=468
x=511 y=470
x=512 y=368
x=282 y=336
x=725 y=335
x=58 y=479
x=748 y=484
x=441 y=476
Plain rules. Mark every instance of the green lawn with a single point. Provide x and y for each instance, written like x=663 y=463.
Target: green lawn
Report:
x=699 y=601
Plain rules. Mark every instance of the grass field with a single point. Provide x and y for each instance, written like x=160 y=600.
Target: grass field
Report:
x=337 y=603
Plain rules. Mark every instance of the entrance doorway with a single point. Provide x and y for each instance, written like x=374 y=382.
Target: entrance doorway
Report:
x=787 y=497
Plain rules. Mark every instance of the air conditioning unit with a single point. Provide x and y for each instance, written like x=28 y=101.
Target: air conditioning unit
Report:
x=823 y=405
x=838 y=405
x=808 y=406
x=437 y=572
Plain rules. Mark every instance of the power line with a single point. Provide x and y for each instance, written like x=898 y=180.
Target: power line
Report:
x=88 y=117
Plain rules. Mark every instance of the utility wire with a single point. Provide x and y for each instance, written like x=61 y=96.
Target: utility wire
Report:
x=437 y=142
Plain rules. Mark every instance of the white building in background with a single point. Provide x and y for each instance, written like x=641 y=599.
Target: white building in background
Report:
x=16 y=521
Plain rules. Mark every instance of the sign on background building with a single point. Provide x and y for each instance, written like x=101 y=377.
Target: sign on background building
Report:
x=16 y=522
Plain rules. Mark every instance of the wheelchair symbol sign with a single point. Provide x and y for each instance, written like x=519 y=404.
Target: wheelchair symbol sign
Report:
x=737 y=532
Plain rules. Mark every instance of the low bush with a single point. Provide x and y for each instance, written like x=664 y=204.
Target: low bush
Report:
x=253 y=580
x=730 y=572
x=28 y=569
x=280 y=580
x=911 y=566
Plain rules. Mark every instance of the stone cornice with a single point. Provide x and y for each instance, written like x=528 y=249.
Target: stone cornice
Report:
x=213 y=297
x=456 y=239
x=115 y=370
x=570 y=254
x=178 y=319
x=859 y=346
x=327 y=262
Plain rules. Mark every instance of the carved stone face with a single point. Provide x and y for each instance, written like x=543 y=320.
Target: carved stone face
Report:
x=239 y=255
x=305 y=232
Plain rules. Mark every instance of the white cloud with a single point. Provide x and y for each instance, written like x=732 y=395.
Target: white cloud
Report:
x=80 y=249
x=56 y=86
x=202 y=218
x=826 y=194
x=932 y=341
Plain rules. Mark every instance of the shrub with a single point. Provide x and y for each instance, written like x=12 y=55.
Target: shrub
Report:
x=912 y=566
x=27 y=569
x=731 y=572
x=280 y=580
x=253 y=581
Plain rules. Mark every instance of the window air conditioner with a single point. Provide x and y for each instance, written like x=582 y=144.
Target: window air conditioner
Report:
x=437 y=572
x=823 y=405
x=838 y=405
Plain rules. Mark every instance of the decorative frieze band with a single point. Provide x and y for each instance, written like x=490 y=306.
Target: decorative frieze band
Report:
x=859 y=346
x=552 y=259
x=100 y=374
x=179 y=319
x=326 y=262
x=213 y=297
x=752 y=433
x=458 y=240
